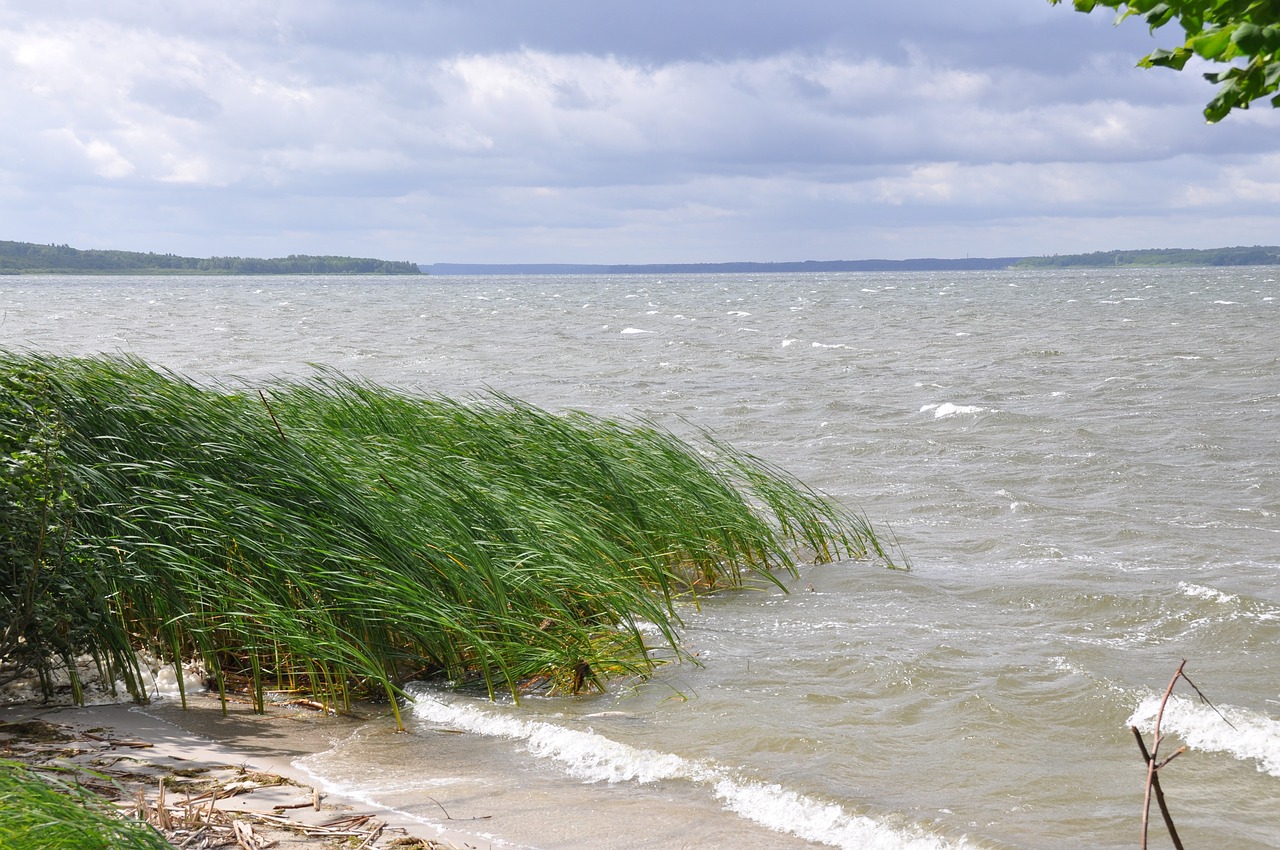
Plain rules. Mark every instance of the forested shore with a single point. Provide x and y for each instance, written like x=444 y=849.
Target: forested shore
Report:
x=31 y=258
x=1257 y=255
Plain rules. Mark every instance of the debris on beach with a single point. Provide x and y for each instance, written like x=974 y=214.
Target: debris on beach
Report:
x=198 y=805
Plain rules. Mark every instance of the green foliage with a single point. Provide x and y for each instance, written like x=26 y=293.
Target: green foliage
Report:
x=340 y=534
x=50 y=594
x=1151 y=257
x=19 y=257
x=51 y=811
x=1243 y=34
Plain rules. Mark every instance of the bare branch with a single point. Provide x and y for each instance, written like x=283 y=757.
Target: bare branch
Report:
x=1204 y=699
x=1153 y=781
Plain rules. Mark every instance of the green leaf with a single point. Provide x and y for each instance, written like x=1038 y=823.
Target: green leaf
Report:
x=1174 y=59
x=1215 y=44
x=1085 y=5
x=1159 y=15
x=1228 y=98
x=1250 y=38
x=1272 y=76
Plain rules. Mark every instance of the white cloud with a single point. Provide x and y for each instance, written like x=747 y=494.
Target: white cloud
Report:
x=106 y=160
x=1258 y=183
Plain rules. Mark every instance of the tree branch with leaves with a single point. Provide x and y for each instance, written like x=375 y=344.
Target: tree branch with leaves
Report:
x=1242 y=34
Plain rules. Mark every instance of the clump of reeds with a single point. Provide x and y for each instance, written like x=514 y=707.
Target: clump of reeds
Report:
x=334 y=533
x=49 y=811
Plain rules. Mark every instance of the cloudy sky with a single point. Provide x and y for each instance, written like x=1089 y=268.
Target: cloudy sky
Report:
x=614 y=131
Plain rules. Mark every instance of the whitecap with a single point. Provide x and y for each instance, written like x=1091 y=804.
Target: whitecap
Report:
x=592 y=757
x=947 y=409
x=635 y=331
x=1202 y=592
x=1241 y=733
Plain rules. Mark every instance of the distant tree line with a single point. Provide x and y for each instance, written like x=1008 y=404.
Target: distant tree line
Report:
x=1255 y=256
x=17 y=257
x=916 y=265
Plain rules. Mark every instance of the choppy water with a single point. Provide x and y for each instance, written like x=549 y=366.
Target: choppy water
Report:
x=1081 y=466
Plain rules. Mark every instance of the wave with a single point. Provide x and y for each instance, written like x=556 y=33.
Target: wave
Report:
x=1235 y=607
x=592 y=757
x=947 y=410
x=1245 y=735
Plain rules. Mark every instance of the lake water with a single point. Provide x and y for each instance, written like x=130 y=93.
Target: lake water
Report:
x=1081 y=467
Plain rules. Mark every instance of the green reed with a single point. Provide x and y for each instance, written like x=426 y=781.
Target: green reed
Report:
x=344 y=536
x=50 y=810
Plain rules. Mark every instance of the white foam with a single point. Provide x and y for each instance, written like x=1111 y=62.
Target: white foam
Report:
x=1255 y=737
x=1202 y=592
x=583 y=755
x=947 y=409
x=825 y=823
x=162 y=681
x=593 y=757
x=1239 y=608
x=157 y=678
x=634 y=331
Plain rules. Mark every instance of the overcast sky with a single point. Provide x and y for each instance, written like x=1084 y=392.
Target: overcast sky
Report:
x=614 y=131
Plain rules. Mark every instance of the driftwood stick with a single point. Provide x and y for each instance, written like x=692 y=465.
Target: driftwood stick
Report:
x=1159 y=793
x=1176 y=753
x=1153 y=783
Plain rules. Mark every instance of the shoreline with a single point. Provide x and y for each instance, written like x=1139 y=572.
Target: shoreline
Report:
x=237 y=768
x=469 y=795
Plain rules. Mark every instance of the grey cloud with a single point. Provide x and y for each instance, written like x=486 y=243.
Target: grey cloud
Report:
x=501 y=129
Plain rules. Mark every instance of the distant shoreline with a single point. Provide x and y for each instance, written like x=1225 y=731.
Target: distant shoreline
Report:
x=31 y=258
x=1144 y=258
x=17 y=258
x=923 y=264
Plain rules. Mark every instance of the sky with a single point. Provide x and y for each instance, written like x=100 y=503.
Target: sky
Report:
x=664 y=131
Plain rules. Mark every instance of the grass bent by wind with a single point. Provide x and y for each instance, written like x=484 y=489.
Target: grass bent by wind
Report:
x=334 y=535
x=51 y=809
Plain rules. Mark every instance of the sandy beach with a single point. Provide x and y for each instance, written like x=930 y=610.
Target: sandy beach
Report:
x=209 y=780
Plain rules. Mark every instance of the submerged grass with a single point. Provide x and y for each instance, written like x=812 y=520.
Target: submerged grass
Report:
x=339 y=535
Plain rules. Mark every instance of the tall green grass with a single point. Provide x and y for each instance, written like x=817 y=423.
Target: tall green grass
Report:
x=48 y=811
x=337 y=534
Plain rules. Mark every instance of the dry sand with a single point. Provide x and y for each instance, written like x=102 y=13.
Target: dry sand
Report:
x=226 y=781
